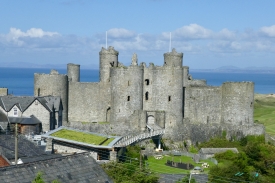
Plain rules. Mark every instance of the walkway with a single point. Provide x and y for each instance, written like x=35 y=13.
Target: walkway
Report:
x=130 y=139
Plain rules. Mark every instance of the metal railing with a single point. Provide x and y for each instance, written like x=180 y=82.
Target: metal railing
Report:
x=130 y=139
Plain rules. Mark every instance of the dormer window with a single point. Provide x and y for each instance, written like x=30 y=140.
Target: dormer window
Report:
x=15 y=112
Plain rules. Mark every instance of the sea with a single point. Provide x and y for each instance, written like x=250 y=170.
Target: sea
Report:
x=20 y=81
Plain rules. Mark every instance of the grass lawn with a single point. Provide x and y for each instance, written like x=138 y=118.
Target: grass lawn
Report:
x=82 y=137
x=264 y=111
x=158 y=165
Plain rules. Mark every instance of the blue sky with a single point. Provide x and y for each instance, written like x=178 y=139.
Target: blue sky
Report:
x=211 y=34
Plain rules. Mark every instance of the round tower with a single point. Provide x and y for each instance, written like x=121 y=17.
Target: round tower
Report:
x=53 y=84
x=73 y=71
x=238 y=103
x=173 y=58
x=107 y=58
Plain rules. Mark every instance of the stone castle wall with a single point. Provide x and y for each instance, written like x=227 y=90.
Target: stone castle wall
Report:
x=167 y=94
x=54 y=84
x=203 y=104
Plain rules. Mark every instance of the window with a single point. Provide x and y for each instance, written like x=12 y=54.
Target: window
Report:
x=146 y=95
x=169 y=98
x=147 y=81
x=128 y=98
x=128 y=83
x=15 y=112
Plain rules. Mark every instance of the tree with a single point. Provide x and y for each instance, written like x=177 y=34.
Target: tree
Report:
x=186 y=179
x=39 y=179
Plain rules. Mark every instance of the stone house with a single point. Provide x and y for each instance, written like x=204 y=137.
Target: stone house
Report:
x=210 y=152
x=47 y=109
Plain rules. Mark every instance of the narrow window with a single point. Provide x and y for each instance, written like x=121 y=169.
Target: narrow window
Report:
x=146 y=95
x=128 y=83
x=128 y=98
x=15 y=112
x=38 y=92
x=147 y=81
x=169 y=98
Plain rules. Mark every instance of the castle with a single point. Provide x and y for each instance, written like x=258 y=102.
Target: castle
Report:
x=152 y=97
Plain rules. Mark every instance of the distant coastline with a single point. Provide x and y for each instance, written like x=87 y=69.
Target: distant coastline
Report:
x=224 y=69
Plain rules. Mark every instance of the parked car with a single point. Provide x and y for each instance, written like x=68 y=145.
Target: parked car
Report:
x=196 y=170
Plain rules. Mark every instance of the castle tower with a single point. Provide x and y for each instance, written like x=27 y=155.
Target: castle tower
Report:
x=126 y=92
x=173 y=59
x=54 y=84
x=73 y=71
x=108 y=58
x=237 y=103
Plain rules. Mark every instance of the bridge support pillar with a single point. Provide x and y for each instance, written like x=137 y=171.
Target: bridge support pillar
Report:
x=113 y=156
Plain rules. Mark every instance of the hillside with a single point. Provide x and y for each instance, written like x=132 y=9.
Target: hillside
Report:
x=264 y=111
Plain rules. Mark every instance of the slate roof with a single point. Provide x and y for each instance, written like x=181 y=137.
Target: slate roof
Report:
x=23 y=102
x=32 y=120
x=26 y=148
x=217 y=150
x=40 y=158
x=80 y=168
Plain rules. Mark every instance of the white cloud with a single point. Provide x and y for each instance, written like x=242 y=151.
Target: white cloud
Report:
x=225 y=34
x=191 y=38
x=14 y=36
x=192 y=31
x=269 y=31
x=120 y=33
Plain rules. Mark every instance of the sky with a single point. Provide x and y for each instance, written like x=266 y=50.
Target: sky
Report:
x=210 y=33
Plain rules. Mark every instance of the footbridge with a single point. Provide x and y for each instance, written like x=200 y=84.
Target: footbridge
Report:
x=131 y=139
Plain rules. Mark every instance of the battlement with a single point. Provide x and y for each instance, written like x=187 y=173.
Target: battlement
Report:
x=110 y=50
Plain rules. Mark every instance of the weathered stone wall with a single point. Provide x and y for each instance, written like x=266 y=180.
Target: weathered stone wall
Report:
x=73 y=71
x=185 y=76
x=54 y=84
x=203 y=104
x=237 y=103
x=126 y=92
x=196 y=82
x=84 y=102
x=173 y=59
x=198 y=132
x=138 y=120
x=168 y=94
x=3 y=91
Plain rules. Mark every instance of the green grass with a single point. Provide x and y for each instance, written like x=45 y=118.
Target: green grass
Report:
x=82 y=137
x=264 y=112
x=103 y=122
x=158 y=165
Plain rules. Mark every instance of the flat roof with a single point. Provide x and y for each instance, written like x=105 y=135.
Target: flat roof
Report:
x=109 y=146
